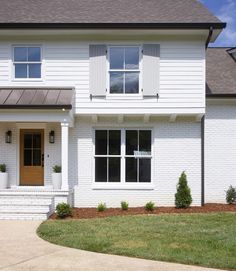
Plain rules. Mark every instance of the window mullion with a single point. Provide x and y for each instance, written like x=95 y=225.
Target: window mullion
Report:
x=107 y=156
x=138 y=161
x=122 y=155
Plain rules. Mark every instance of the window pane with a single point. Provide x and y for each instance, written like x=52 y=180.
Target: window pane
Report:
x=116 y=82
x=27 y=141
x=101 y=142
x=34 y=54
x=20 y=70
x=116 y=58
x=20 y=54
x=37 y=141
x=114 y=169
x=144 y=170
x=34 y=70
x=131 y=82
x=114 y=142
x=37 y=157
x=27 y=157
x=131 y=142
x=131 y=170
x=100 y=169
x=131 y=58
x=145 y=141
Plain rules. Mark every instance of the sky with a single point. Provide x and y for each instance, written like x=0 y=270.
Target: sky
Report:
x=225 y=10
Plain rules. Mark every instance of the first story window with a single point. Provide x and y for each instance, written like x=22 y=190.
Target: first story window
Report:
x=27 y=62
x=124 y=153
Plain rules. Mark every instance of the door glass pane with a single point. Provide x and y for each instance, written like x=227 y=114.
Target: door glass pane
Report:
x=27 y=157
x=116 y=58
x=144 y=170
x=114 y=142
x=27 y=141
x=114 y=169
x=131 y=58
x=131 y=82
x=34 y=54
x=116 y=82
x=131 y=170
x=20 y=54
x=37 y=140
x=100 y=169
x=145 y=141
x=100 y=142
x=34 y=70
x=36 y=157
x=20 y=70
x=131 y=142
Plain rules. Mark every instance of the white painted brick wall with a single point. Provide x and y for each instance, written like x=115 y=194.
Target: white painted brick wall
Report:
x=220 y=151
x=177 y=147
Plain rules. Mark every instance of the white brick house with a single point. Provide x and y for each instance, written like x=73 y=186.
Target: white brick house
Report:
x=121 y=86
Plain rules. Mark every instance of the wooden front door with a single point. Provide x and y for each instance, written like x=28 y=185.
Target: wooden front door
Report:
x=31 y=157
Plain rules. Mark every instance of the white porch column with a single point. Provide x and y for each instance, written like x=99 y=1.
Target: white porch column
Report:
x=64 y=155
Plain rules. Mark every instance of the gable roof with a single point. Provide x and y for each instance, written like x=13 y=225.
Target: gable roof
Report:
x=220 y=72
x=95 y=13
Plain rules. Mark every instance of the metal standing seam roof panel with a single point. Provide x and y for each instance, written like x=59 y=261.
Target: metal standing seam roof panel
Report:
x=36 y=98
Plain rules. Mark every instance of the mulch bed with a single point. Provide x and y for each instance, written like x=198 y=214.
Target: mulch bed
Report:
x=83 y=213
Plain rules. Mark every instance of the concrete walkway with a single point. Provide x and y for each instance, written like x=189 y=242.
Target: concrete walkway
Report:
x=22 y=249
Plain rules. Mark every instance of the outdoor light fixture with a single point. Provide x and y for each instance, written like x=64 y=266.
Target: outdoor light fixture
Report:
x=8 y=137
x=52 y=137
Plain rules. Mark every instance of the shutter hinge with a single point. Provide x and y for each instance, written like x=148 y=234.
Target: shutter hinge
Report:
x=142 y=89
x=142 y=51
x=106 y=89
x=106 y=51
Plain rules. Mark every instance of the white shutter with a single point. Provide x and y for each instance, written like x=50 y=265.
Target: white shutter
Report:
x=151 y=69
x=97 y=69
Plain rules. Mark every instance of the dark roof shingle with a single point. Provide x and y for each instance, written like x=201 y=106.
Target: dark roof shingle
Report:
x=220 y=72
x=104 y=11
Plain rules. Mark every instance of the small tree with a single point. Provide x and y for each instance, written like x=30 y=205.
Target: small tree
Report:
x=231 y=195
x=183 y=197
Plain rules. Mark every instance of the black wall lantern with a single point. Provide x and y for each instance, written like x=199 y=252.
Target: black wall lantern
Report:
x=52 y=137
x=8 y=137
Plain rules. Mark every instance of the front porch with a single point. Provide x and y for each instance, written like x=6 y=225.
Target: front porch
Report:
x=32 y=141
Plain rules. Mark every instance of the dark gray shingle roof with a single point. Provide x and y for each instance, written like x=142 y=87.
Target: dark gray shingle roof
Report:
x=104 y=11
x=18 y=98
x=220 y=72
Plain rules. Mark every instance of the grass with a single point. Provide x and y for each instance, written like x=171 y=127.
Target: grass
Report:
x=200 y=239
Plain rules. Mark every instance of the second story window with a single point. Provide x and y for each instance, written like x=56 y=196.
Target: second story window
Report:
x=124 y=70
x=27 y=62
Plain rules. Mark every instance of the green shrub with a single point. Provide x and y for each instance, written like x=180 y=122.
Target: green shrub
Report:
x=101 y=207
x=124 y=205
x=183 y=198
x=63 y=210
x=56 y=169
x=231 y=195
x=3 y=168
x=150 y=206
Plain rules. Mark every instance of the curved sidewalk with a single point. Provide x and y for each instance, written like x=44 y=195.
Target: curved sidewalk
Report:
x=22 y=249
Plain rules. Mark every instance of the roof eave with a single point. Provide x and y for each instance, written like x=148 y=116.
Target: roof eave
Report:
x=215 y=25
x=41 y=107
x=221 y=95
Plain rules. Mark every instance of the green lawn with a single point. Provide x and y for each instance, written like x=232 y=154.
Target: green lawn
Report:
x=199 y=239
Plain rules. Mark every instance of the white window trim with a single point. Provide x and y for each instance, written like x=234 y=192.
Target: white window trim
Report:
x=35 y=62
x=122 y=95
x=123 y=185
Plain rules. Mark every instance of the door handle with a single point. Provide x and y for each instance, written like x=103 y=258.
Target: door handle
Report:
x=42 y=160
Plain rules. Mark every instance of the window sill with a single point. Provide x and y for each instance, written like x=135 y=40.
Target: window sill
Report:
x=119 y=186
x=124 y=96
x=27 y=80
